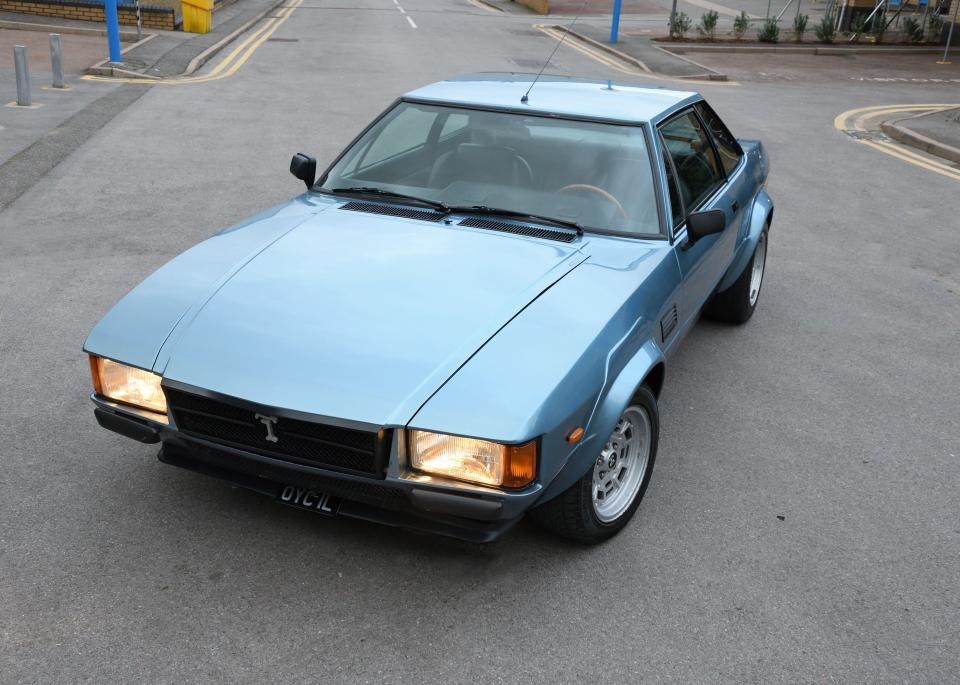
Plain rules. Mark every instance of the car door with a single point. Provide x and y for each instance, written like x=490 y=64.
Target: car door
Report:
x=698 y=182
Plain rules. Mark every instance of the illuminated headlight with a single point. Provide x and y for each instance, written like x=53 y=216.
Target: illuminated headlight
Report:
x=127 y=384
x=472 y=460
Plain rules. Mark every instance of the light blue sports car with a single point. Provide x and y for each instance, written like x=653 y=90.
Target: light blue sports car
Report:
x=467 y=317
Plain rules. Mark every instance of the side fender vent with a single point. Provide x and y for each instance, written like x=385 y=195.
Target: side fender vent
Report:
x=668 y=323
x=520 y=229
x=393 y=210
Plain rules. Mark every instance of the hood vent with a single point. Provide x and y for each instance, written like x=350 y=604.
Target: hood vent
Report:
x=393 y=210
x=520 y=229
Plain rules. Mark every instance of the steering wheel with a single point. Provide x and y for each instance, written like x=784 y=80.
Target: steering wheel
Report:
x=599 y=191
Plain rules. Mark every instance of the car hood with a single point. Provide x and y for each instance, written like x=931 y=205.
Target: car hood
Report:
x=358 y=317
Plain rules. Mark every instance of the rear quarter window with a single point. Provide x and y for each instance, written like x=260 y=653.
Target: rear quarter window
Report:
x=727 y=146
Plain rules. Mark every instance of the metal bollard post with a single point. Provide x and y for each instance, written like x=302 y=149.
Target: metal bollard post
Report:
x=23 y=76
x=56 y=60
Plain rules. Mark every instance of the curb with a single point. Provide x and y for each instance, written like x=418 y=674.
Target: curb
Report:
x=205 y=56
x=921 y=142
x=125 y=36
x=606 y=48
x=709 y=74
x=675 y=48
x=101 y=69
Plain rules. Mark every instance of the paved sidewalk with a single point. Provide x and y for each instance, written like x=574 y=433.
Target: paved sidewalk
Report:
x=637 y=43
x=21 y=127
x=34 y=140
x=936 y=133
x=43 y=24
x=169 y=54
x=943 y=127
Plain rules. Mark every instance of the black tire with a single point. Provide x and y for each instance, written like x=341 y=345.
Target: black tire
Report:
x=733 y=305
x=572 y=514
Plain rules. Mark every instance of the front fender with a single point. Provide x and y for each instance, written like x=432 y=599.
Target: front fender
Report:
x=760 y=214
x=610 y=404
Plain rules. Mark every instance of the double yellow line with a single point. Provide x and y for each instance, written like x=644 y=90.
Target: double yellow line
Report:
x=856 y=121
x=229 y=65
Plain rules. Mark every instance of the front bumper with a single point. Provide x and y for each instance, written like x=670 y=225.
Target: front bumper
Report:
x=467 y=515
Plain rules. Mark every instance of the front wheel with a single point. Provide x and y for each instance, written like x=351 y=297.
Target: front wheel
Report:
x=603 y=501
x=736 y=303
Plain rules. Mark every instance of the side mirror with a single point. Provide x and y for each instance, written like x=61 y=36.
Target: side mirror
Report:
x=304 y=168
x=700 y=224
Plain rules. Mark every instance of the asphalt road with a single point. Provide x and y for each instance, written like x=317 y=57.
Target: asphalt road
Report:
x=802 y=523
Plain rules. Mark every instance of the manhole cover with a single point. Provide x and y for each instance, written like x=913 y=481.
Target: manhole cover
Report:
x=283 y=40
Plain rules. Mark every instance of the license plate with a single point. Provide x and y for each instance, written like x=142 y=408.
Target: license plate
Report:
x=314 y=500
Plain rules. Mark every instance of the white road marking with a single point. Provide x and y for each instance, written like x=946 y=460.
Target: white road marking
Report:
x=404 y=13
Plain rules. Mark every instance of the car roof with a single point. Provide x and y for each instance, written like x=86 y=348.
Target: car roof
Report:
x=563 y=95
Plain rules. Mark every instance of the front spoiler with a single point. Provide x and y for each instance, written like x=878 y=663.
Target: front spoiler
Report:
x=468 y=515
x=269 y=479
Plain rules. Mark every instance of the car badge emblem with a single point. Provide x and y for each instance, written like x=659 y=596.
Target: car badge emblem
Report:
x=269 y=422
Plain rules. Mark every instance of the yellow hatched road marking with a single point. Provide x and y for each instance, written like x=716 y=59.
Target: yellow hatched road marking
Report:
x=228 y=65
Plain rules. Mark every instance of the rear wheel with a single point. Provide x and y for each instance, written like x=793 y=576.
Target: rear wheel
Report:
x=603 y=501
x=736 y=303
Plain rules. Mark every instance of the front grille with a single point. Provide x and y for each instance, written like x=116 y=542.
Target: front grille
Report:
x=224 y=463
x=303 y=442
x=520 y=229
x=394 y=210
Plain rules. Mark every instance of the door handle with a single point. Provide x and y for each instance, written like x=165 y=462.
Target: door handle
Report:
x=735 y=206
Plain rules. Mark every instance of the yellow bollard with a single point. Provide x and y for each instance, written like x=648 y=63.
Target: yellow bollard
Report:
x=196 y=15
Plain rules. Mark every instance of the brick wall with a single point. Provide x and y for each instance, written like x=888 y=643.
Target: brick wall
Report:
x=163 y=18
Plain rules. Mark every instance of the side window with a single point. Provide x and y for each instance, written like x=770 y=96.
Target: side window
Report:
x=727 y=145
x=698 y=172
x=676 y=206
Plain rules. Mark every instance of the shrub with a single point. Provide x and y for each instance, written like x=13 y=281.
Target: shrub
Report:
x=934 y=26
x=857 y=27
x=769 y=32
x=708 y=25
x=800 y=26
x=680 y=25
x=826 y=30
x=878 y=26
x=740 y=25
x=912 y=30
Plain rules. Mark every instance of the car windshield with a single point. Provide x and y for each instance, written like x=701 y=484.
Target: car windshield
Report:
x=594 y=174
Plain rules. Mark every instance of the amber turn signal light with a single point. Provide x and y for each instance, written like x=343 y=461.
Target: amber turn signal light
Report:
x=521 y=464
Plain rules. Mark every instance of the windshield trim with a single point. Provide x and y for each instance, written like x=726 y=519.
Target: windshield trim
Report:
x=642 y=125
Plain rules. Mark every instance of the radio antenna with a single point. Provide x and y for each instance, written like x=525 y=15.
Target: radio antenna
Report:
x=556 y=47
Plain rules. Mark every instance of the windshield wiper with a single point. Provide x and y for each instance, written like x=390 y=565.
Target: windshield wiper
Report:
x=380 y=192
x=514 y=214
